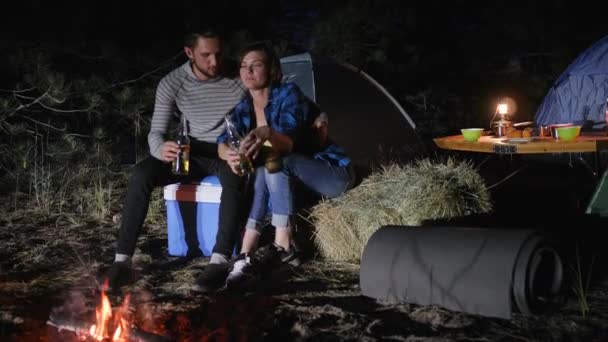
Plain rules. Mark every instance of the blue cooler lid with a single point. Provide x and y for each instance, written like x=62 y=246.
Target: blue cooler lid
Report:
x=211 y=180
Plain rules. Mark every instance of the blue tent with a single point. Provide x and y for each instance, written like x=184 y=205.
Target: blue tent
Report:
x=579 y=94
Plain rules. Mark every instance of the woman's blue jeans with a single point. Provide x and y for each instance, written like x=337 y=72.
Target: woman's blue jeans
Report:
x=320 y=176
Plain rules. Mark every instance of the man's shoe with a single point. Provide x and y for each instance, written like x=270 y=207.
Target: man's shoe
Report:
x=212 y=278
x=119 y=274
x=243 y=273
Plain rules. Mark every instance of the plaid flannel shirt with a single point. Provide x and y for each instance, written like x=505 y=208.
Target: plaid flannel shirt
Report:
x=286 y=112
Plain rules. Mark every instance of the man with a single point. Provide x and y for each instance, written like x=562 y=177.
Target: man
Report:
x=200 y=92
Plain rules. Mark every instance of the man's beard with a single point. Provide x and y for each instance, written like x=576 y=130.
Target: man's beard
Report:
x=216 y=71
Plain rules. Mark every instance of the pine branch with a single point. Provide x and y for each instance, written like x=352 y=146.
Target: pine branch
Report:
x=68 y=110
x=55 y=99
x=24 y=106
x=42 y=123
x=14 y=91
x=146 y=74
x=16 y=95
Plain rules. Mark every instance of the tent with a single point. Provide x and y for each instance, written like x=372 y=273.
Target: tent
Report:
x=599 y=201
x=363 y=117
x=579 y=95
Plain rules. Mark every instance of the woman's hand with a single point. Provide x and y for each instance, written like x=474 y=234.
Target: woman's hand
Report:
x=169 y=151
x=231 y=156
x=320 y=132
x=233 y=159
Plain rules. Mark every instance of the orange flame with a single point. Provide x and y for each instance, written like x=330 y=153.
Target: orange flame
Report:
x=101 y=330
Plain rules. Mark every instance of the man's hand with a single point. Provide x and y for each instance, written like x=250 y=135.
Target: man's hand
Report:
x=252 y=143
x=169 y=151
x=263 y=133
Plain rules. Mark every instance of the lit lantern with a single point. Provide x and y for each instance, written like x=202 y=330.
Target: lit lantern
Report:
x=503 y=125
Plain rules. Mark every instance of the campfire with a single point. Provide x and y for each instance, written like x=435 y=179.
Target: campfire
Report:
x=111 y=324
x=105 y=323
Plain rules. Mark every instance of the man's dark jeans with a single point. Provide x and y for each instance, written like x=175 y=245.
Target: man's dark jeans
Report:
x=151 y=173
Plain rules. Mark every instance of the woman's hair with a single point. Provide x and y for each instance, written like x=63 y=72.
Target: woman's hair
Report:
x=275 y=75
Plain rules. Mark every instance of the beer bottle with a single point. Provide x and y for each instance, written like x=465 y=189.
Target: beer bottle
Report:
x=234 y=141
x=273 y=162
x=181 y=164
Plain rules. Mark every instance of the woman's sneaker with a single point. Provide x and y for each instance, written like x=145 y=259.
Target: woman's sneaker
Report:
x=243 y=273
x=273 y=256
x=290 y=257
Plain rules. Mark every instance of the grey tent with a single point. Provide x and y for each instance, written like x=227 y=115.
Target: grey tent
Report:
x=363 y=117
x=599 y=201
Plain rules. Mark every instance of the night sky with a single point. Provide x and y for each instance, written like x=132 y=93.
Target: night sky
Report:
x=437 y=22
x=131 y=23
x=426 y=43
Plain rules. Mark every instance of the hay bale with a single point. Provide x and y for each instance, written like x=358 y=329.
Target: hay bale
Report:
x=397 y=195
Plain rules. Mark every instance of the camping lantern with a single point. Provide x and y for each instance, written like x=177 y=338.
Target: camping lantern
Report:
x=503 y=125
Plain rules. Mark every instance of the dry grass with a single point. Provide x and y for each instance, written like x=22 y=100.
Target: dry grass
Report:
x=397 y=195
x=181 y=280
x=47 y=263
x=53 y=251
x=327 y=272
x=49 y=250
x=157 y=214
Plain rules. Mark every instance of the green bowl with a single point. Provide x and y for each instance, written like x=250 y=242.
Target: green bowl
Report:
x=471 y=134
x=568 y=133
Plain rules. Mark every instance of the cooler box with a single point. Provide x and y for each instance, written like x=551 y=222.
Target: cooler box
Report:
x=192 y=216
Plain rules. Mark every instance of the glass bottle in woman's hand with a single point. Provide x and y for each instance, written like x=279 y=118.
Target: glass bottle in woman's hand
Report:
x=235 y=142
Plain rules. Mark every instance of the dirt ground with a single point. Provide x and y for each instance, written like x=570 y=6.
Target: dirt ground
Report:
x=49 y=264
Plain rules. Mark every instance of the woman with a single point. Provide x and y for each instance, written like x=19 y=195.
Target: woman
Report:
x=273 y=114
x=285 y=119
